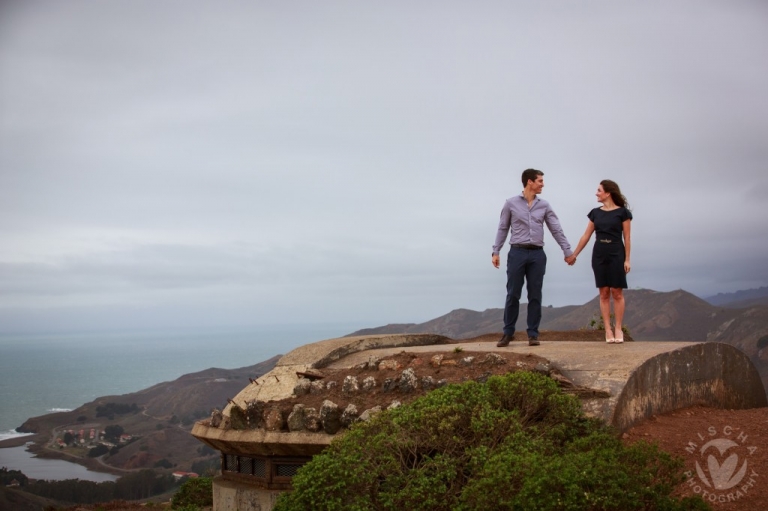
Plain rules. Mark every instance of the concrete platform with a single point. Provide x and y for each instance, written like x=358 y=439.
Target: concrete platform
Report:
x=641 y=379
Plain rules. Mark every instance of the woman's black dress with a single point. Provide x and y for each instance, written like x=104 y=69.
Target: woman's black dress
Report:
x=608 y=252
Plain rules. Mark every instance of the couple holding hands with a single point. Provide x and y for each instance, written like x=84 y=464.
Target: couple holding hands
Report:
x=525 y=215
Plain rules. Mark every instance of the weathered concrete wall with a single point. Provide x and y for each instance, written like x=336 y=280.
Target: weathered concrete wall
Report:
x=233 y=496
x=710 y=374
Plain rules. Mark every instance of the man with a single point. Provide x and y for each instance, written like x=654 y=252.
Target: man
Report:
x=526 y=215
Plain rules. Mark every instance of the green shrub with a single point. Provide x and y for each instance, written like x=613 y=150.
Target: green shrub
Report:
x=193 y=493
x=515 y=442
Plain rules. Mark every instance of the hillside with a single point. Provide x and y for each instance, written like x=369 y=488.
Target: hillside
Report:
x=466 y=323
x=651 y=315
x=160 y=422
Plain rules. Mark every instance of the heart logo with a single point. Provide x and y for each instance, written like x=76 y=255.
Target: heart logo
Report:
x=722 y=476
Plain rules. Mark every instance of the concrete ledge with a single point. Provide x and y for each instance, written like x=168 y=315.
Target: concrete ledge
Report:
x=259 y=442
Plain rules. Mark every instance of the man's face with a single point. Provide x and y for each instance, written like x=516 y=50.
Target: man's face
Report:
x=538 y=185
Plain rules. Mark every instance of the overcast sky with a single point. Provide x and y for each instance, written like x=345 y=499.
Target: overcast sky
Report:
x=230 y=164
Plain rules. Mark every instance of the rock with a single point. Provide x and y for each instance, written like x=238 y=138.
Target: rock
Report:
x=389 y=385
x=373 y=362
x=466 y=361
x=436 y=360
x=368 y=414
x=542 y=368
x=317 y=388
x=408 y=381
x=296 y=419
x=250 y=417
x=274 y=421
x=442 y=383
x=237 y=418
x=349 y=415
x=493 y=359
x=369 y=383
x=428 y=383
x=312 y=420
x=302 y=387
x=483 y=377
x=331 y=385
x=310 y=374
x=389 y=364
x=565 y=382
x=330 y=416
x=416 y=362
x=350 y=386
x=449 y=363
x=255 y=414
x=216 y=418
x=393 y=405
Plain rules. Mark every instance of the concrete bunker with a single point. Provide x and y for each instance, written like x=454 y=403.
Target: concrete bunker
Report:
x=624 y=384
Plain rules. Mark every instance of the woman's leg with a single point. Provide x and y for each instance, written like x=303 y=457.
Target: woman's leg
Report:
x=618 y=309
x=605 y=310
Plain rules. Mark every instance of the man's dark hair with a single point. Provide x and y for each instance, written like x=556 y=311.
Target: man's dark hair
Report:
x=531 y=174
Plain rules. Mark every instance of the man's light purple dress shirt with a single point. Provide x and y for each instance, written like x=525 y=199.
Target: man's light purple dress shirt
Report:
x=528 y=224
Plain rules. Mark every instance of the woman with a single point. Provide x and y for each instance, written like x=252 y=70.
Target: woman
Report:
x=610 y=257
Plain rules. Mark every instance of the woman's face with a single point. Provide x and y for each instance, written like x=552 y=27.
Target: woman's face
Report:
x=601 y=194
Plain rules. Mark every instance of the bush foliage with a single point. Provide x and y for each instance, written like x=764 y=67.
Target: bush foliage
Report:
x=194 y=493
x=515 y=442
x=136 y=485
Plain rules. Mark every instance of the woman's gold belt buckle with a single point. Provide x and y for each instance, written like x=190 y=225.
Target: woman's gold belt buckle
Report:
x=606 y=241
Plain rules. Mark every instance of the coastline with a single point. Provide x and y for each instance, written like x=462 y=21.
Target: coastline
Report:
x=20 y=440
x=37 y=445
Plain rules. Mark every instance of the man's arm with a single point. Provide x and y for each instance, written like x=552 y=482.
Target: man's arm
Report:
x=505 y=220
x=553 y=224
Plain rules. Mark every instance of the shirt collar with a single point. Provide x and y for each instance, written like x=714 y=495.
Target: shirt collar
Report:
x=522 y=196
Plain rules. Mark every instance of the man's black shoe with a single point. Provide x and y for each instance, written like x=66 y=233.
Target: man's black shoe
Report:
x=504 y=341
x=533 y=341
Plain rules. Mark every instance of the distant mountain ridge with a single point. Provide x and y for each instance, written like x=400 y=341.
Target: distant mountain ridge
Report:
x=650 y=315
x=742 y=298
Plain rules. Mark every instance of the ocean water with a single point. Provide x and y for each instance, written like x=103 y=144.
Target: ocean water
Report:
x=45 y=374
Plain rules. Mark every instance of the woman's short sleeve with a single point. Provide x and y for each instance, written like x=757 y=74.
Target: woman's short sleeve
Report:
x=591 y=215
x=626 y=214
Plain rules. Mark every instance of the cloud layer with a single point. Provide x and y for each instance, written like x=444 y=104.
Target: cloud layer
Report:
x=183 y=163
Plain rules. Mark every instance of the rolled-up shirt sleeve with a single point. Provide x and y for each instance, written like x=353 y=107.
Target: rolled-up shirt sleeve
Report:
x=553 y=224
x=501 y=233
